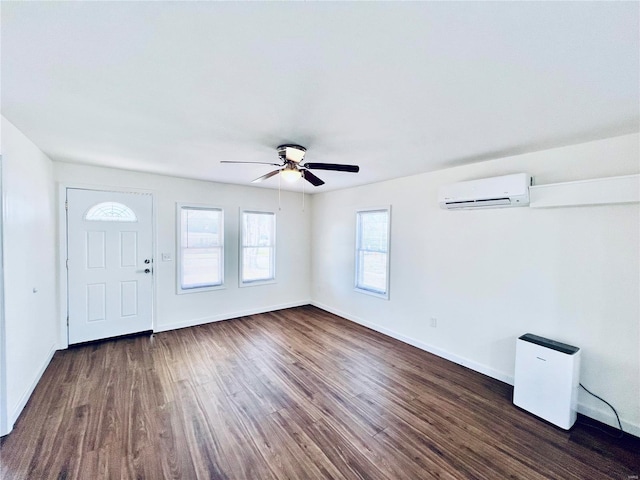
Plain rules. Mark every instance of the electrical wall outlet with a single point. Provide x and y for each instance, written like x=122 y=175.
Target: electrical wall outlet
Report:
x=434 y=322
x=166 y=257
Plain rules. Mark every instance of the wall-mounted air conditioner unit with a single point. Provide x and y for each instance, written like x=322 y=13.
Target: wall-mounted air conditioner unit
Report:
x=494 y=192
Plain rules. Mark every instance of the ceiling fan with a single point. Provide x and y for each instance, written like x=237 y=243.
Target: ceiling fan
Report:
x=292 y=169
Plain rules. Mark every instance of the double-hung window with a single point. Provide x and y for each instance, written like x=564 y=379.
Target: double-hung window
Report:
x=200 y=249
x=372 y=251
x=258 y=248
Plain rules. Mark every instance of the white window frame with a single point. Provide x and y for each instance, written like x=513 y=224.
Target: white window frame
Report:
x=273 y=246
x=359 y=288
x=204 y=288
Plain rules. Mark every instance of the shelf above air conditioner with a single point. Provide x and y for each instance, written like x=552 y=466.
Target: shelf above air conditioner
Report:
x=597 y=191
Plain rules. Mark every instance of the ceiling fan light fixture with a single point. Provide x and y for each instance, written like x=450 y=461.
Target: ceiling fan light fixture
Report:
x=290 y=174
x=292 y=153
x=295 y=154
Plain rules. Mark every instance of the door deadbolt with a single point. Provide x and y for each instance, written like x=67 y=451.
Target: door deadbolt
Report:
x=147 y=261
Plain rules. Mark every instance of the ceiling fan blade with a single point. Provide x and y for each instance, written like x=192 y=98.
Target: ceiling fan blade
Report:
x=260 y=163
x=264 y=177
x=333 y=166
x=311 y=178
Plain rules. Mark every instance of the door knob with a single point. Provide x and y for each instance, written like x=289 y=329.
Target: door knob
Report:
x=146 y=270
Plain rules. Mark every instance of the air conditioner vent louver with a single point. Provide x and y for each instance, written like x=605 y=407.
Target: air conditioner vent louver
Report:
x=479 y=203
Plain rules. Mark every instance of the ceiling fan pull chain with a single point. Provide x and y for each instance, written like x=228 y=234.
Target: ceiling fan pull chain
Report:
x=279 y=201
x=303 y=196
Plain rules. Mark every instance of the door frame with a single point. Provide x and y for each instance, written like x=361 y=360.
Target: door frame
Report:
x=4 y=409
x=63 y=274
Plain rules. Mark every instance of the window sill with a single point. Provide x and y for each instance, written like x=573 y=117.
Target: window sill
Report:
x=372 y=293
x=186 y=291
x=256 y=283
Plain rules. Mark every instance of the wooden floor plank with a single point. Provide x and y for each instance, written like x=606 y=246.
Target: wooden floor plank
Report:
x=296 y=393
x=349 y=459
x=239 y=448
x=204 y=445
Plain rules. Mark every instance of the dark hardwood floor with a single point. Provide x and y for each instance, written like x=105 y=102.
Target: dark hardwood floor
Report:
x=294 y=394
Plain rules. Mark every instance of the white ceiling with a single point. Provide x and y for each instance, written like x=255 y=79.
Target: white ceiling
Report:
x=398 y=88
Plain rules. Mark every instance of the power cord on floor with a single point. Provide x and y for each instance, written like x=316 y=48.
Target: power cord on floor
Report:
x=614 y=411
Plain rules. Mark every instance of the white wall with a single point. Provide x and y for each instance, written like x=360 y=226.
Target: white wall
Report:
x=488 y=276
x=175 y=311
x=29 y=238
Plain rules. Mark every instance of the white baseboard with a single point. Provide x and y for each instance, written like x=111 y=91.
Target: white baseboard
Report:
x=602 y=415
x=13 y=417
x=192 y=322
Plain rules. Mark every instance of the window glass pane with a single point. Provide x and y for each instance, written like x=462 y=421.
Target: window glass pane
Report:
x=200 y=228
x=373 y=271
x=258 y=229
x=372 y=259
x=257 y=263
x=110 y=212
x=258 y=246
x=201 y=247
x=374 y=231
x=201 y=267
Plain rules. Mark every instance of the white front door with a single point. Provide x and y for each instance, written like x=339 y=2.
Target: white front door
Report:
x=110 y=264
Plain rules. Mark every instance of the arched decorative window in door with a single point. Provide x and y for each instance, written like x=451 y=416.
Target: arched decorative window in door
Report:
x=110 y=212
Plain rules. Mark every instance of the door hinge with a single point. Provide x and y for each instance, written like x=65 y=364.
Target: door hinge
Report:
x=67 y=320
x=66 y=205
